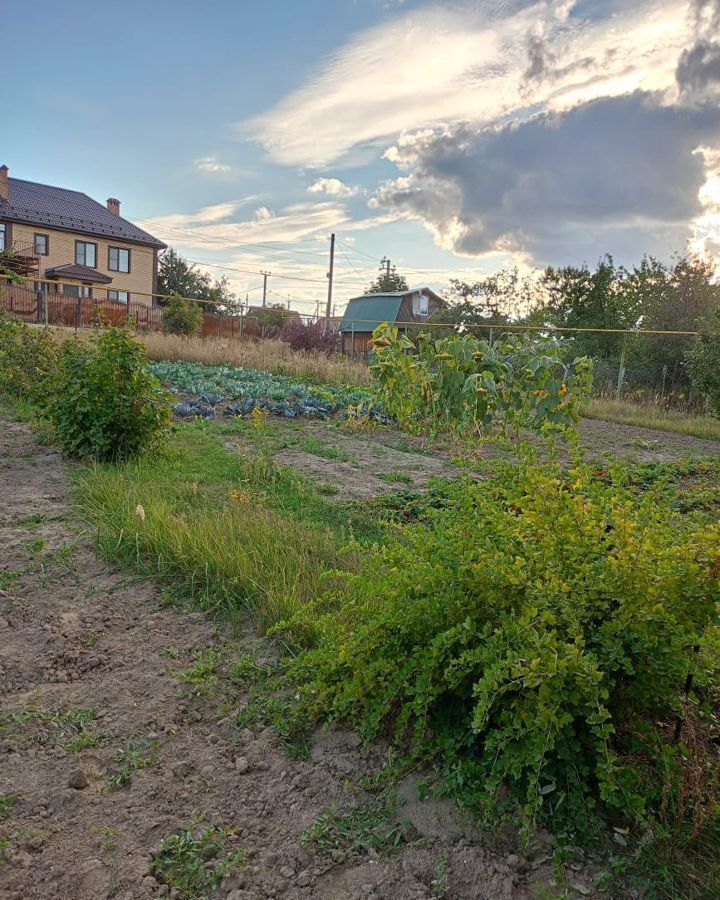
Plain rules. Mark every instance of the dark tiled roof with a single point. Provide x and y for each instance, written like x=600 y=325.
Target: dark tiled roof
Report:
x=54 y=207
x=82 y=273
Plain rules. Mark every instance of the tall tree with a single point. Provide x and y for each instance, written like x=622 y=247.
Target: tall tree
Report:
x=177 y=277
x=388 y=283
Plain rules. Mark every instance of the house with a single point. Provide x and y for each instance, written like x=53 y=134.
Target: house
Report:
x=67 y=243
x=404 y=308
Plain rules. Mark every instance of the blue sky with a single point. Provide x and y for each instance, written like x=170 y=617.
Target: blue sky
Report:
x=455 y=137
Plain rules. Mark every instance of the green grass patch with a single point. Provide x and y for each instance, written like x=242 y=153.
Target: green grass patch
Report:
x=651 y=416
x=232 y=531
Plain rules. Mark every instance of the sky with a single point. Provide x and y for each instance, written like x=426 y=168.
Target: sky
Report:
x=455 y=137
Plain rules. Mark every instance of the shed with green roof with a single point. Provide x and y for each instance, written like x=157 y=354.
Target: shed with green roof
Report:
x=402 y=308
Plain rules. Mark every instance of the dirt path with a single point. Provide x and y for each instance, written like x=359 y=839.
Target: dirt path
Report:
x=104 y=751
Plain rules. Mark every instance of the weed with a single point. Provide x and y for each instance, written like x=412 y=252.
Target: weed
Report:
x=203 y=673
x=367 y=827
x=107 y=837
x=8 y=580
x=33 y=521
x=194 y=862
x=396 y=478
x=438 y=885
x=170 y=651
x=317 y=447
x=137 y=755
x=327 y=489
x=7 y=801
x=36 y=546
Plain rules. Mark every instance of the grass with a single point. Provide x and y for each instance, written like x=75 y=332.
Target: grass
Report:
x=269 y=355
x=396 y=478
x=651 y=416
x=232 y=531
x=317 y=447
x=194 y=862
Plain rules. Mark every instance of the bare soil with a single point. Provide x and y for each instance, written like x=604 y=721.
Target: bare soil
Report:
x=77 y=635
x=370 y=460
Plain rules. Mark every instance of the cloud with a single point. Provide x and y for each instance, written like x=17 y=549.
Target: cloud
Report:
x=334 y=187
x=618 y=171
x=698 y=70
x=211 y=164
x=451 y=65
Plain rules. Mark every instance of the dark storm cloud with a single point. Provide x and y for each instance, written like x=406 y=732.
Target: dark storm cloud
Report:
x=698 y=71
x=614 y=166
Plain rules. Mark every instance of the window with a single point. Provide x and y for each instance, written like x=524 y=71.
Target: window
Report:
x=118 y=259
x=120 y=296
x=41 y=245
x=76 y=290
x=85 y=254
x=3 y=236
x=421 y=306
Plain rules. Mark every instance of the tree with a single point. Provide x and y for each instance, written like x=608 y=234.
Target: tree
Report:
x=388 y=283
x=177 y=277
x=703 y=361
x=490 y=301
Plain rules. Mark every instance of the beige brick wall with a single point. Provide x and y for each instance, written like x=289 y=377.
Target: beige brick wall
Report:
x=61 y=245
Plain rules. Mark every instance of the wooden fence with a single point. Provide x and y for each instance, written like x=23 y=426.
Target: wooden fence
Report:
x=57 y=308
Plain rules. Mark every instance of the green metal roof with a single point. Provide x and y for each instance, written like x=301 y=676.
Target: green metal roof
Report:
x=366 y=313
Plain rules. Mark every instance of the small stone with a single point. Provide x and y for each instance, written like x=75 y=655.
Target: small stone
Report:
x=241 y=764
x=287 y=872
x=303 y=879
x=78 y=780
x=181 y=769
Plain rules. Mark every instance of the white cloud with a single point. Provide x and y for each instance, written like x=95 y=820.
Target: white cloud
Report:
x=334 y=187
x=438 y=64
x=211 y=164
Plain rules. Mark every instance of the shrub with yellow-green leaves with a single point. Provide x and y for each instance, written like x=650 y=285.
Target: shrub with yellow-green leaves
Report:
x=533 y=638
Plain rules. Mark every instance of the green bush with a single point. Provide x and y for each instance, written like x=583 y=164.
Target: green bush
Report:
x=533 y=637
x=703 y=362
x=181 y=316
x=102 y=401
x=27 y=356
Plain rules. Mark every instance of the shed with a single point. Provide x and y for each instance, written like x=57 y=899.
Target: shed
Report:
x=403 y=308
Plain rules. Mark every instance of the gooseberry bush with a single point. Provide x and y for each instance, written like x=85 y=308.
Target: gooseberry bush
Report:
x=101 y=399
x=465 y=384
x=532 y=638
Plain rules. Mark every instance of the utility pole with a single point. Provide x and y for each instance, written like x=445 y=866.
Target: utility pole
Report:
x=385 y=264
x=265 y=278
x=330 y=282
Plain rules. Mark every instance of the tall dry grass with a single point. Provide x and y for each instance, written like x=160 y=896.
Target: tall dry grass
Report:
x=271 y=355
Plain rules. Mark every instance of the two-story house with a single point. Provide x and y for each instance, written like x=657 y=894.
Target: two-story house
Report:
x=71 y=244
